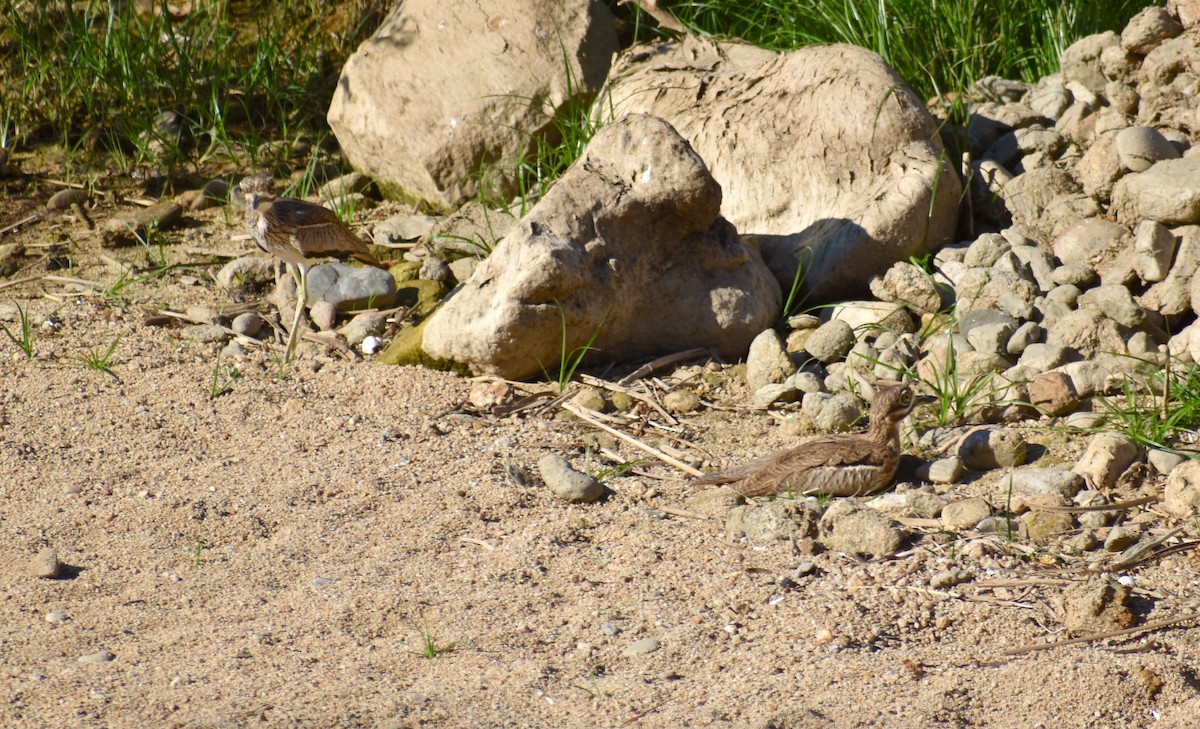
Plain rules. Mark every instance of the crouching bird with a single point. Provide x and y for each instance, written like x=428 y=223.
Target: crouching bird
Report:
x=841 y=464
x=300 y=234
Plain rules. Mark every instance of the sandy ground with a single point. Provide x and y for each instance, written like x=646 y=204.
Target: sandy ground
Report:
x=294 y=551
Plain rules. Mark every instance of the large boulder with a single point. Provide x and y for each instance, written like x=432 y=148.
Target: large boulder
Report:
x=443 y=90
x=628 y=247
x=823 y=153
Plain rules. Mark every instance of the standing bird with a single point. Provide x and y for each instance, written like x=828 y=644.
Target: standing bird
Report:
x=299 y=234
x=843 y=464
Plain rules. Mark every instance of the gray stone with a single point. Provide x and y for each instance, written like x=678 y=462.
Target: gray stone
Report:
x=1181 y=498
x=848 y=526
x=1117 y=304
x=363 y=325
x=768 y=395
x=1140 y=147
x=986 y=249
x=97 y=657
x=943 y=470
x=1027 y=334
x=831 y=341
x=566 y=483
x=1120 y=538
x=773 y=520
x=1041 y=356
x=839 y=234
x=1040 y=263
x=351 y=287
x=831 y=412
x=965 y=513
x=984 y=450
x=1049 y=99
x=1149 y=28
x=1094 y=244
x=991 y=338
x=1056 y=481
x=434 y=269
x=906 y=284
x=1154 y=245
x=767 y=363
x=634 y=203
x=247 y=324
x=1122 y=96
x=1168 y=192
x=1081 y=60
x=245 y=270
x=425 y=133
x=1088 y=378
x=1108 y=455
x=1163 y=461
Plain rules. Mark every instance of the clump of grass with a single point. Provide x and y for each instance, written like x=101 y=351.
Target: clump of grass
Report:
x=936 y=46
x=1158 y=409
x=569 y=362
x=100 y=360
x=223 y=377
x=432 y=646
x=26 y=331
x=100 y=73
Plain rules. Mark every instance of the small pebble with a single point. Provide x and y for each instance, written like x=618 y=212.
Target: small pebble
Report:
x=610 y=629
x=641 y=647
x=56 y=617
x=97 y=657
x=370 y=344
x=321 y=581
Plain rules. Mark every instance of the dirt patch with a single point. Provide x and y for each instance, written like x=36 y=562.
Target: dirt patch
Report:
x=346 y=546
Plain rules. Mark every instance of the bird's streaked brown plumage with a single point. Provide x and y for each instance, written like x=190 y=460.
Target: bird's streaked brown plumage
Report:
x=300 y=234
x=842 y=464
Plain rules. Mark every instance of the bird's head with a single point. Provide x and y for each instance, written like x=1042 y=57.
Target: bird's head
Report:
x=893 y=403
x=256 y=188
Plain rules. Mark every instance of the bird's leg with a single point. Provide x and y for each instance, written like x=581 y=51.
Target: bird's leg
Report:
x=301 y=275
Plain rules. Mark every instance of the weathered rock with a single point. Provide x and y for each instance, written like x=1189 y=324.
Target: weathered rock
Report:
x=439 y=90
x=400 y=228
x=907 y=284
x=1108 y=455
x=943 y=470
x=1168 y=192
x=351 y=287
x=831 y=412
x=681 y=400
x=247 y=324
x=628 y=247
x=848 y=526
x=767 y=363
x=566 y=483
x=1081 y=60
x=1181 y=498
x=984 y=450
x=1139 y=148
x=1043 y=527
x=1094 y=244
x=778 y=519
x=831 y=341
x=1120 y=538
x=363 y=325
x=1056 y=481
x=45 y=564
x=1149 y=28
x=965 y=513
x=1053 y=394
x=245 y=270
x=873 y=194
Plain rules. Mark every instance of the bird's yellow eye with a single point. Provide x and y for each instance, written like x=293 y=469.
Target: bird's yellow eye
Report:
x=906 y=397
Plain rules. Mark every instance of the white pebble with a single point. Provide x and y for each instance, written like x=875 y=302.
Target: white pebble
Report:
x=370 y=345
x=56 y=616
